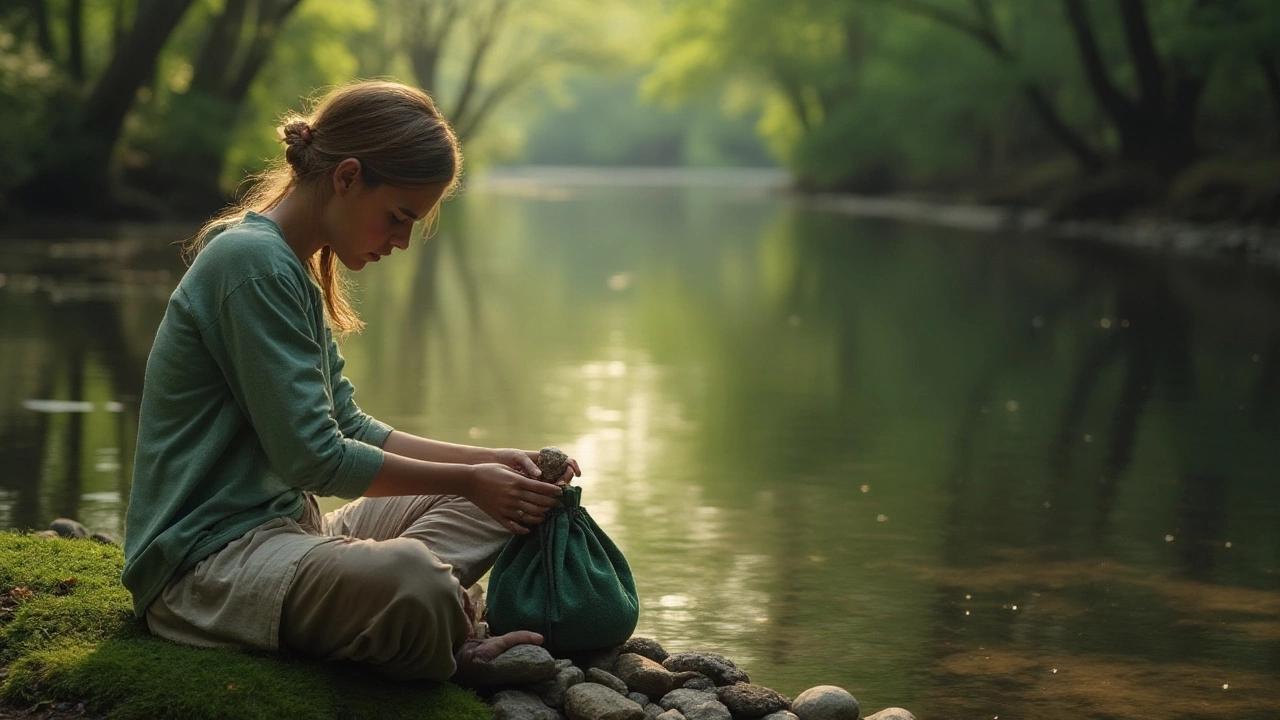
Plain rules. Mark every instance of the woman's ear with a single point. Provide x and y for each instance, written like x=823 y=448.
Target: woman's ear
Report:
x=345 y=176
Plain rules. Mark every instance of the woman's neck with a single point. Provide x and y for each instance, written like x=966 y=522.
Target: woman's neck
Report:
x=302 y=222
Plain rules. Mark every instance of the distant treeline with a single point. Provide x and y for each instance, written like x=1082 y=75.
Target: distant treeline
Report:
x=1095 y=107
x=1089 y=107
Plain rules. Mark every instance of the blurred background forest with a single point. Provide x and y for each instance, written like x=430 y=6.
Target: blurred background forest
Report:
x=1089 y=108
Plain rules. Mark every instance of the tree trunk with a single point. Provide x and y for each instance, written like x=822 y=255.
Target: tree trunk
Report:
x=77 y=163
x=1157 y=132
x=1272 y=76
x=986 y=33
x=75 y=39
x=237 y=46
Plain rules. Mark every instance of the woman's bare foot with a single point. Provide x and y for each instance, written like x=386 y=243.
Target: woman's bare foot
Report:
x=476 y=654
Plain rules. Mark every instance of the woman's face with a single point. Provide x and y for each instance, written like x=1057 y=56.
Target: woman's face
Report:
x=366 y=223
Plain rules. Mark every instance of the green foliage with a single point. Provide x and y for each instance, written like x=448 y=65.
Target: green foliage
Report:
x=28 y=85
x=75 y=638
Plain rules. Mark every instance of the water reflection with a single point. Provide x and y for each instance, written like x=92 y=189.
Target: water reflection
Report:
x=930 y=466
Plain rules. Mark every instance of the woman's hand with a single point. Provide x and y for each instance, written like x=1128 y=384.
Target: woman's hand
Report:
x=526 y=462
x=512 y=499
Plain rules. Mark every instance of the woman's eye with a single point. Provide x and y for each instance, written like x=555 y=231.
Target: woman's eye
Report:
x=395 y=220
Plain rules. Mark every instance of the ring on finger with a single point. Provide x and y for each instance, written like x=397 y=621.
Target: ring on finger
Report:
x=520 y=514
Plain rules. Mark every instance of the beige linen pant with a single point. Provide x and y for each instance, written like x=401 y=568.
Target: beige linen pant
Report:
x=377 y=581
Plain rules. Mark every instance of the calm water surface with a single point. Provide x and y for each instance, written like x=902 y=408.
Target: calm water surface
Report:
x=970 y=475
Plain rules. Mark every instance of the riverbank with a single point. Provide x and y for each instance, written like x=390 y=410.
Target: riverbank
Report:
x=70 y=647
x=1152 y=232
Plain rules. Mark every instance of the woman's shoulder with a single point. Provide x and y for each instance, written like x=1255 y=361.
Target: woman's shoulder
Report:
x=249 y=249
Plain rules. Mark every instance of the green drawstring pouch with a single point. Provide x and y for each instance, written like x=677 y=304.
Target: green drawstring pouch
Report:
x=565 y=580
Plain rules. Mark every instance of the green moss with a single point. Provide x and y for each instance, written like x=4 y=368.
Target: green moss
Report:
x=75 y=638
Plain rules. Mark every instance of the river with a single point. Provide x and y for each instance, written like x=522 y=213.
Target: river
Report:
x=975 y=475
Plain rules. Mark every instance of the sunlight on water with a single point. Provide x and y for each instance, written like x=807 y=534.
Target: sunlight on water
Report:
x=968 y=476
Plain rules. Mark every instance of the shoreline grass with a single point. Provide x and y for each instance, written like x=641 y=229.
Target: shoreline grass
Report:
x=67 y=633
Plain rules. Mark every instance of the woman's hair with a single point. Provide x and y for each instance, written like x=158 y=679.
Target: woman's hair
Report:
x=396 y=133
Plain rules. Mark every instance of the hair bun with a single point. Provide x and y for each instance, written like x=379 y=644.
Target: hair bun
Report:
x=296 y=131
x=297 y=136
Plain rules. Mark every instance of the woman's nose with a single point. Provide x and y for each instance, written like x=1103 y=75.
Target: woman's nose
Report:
x=400 y=241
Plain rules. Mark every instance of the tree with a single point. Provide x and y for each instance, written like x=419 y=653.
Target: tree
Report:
x=473 y=55
x=186 y=151
x=76 y=162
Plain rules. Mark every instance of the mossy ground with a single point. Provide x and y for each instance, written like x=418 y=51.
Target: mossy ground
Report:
x=67 y=633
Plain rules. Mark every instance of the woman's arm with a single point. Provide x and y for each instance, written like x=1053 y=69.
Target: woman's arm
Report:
x=420 y=448
x=512 y=499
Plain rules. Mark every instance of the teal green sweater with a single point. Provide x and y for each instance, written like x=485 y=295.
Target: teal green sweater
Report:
x=244 y=406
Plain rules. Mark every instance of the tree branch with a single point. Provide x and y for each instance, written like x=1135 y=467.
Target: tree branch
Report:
x=489 y=28
x=425 y=39
x=983 y=31
x=1272 y=77
x=1113 y=102
x=1137 y=33
x=75 y=39
x=1048 y=114
x=40 y=12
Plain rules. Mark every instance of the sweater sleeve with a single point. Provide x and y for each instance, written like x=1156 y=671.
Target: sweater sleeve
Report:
x=263 y=339
x=352 y=421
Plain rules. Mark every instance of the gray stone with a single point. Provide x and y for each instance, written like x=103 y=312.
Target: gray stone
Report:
x=646 y=647
x=68 y=528
x=719 y=668
x=672 y=715
x=653 y=710
x=826 y=702
x=562 y=663
x=602 y=659
x=644 y=675
x=591 y=701
x=891 y=714
x=695 y=705
x=781 y=715
x=639 y=698
x=698 y=681
x=46 y=534
x=745 y=700
x=608 y=679
x=519 y=665
x=104 y=538
x=552 y=692
x=521 y=705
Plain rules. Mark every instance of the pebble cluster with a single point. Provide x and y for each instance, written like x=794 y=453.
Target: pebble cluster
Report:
x=639 y=680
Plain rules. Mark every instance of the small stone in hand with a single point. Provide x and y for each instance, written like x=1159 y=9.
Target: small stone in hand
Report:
x=553 y=463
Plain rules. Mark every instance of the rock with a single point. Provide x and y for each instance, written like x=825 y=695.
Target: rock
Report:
x=562 y=663
x=719 y=668
x=672 y=715
x=104 y=538
x=553 y=691
x=891 y=714
x=745 y=700
x=695 y=705
x=644 y=675
x=638 y=698
x=653 y=710
x=645 y=647
x=552 y=462
x=826 y=702
x=521 y=705
x=519 y=665
x=699 y=682
x=46 y=534
x=602 y=659
x=69 y=528
x=781 y=715
x=609 y=680
x=590 y=701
